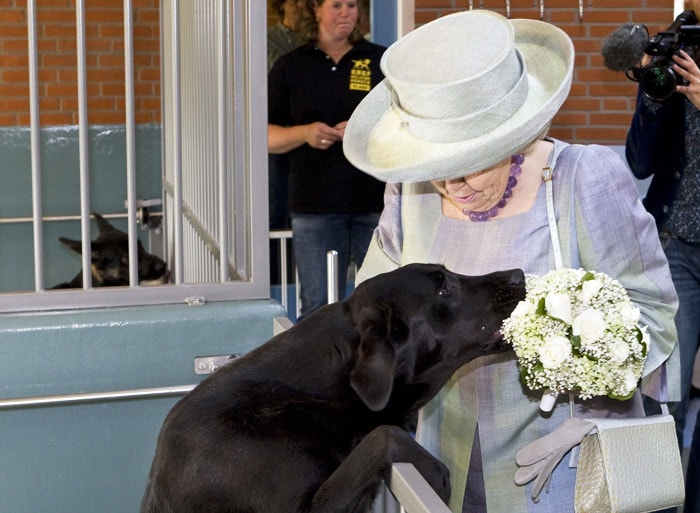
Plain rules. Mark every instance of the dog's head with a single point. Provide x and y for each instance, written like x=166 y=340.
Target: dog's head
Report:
x=109 y=256
x=420 y=323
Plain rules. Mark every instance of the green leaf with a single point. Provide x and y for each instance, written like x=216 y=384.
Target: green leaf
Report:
x=541 y=310
x=622 y=397
x=640 y=339
x=588 y=276
x=576 y=346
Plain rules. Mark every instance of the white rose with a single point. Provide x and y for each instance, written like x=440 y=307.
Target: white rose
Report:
x=523 y=309
x=556 y=350
x=619 y=351
x=630 y=314
x=630 y=382
x=589 y=325
x=589 y=289
x=558 y=306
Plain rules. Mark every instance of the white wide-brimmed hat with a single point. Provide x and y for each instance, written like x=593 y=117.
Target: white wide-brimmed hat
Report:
x=460 y=94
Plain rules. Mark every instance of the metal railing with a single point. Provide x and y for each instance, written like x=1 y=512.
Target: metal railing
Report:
x=283 y=237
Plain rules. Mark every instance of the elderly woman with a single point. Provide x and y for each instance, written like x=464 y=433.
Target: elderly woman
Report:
x=311 y=93
x=457 y=130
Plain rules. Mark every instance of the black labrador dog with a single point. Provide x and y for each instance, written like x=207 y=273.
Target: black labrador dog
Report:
x=312 y=420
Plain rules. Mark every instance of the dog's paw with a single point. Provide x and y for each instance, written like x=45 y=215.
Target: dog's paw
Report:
x=438 y=477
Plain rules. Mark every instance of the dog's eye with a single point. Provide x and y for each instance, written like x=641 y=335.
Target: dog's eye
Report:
x=443 y=289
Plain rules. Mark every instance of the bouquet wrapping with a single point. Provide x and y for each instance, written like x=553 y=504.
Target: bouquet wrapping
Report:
x=577 y=331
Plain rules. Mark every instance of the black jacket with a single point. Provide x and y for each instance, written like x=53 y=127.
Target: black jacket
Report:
x=656 y=146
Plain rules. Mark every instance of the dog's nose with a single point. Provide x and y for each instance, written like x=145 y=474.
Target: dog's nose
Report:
x=517 y=278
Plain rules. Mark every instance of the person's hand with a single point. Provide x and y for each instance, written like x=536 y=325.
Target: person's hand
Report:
x=688 y=69
x=322 y=136
x=341 y=128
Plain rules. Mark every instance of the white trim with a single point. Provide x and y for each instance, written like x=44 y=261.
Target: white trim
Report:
x=405 y=17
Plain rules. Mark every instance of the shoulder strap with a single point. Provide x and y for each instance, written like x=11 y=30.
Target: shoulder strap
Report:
x=548 y=176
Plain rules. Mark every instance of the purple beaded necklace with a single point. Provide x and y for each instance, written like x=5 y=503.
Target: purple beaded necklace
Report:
x=515 y=162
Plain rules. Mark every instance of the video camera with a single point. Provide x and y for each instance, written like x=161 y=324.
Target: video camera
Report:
x=658 y=80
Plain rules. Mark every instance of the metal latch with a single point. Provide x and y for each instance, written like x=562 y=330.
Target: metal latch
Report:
x=211 y=364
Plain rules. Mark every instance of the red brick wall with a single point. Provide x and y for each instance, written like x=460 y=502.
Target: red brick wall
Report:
x=58 y=79
x=598 y=110
x=601 y=102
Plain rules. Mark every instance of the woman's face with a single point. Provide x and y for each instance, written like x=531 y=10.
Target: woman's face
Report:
x=478 y=192
x=292 y=13
x=336 y=18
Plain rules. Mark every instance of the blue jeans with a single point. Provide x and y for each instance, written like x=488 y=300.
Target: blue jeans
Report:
x=684 y=262
x=313 y=235
x=692 y=477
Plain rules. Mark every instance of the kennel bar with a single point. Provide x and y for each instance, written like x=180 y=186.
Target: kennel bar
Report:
x=85 y=232
x=176 y=91
x=129 y=108
x=35 y=139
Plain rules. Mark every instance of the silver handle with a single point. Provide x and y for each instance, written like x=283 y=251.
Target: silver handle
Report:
x=47 y=400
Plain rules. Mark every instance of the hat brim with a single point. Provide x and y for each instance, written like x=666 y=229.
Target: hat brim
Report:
x=376 y=142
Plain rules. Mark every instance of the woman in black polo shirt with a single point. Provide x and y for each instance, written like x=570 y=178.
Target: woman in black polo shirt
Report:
x=311 y=93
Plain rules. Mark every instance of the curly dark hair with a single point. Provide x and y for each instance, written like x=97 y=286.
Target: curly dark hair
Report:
x=309 y=25
x=278 y=5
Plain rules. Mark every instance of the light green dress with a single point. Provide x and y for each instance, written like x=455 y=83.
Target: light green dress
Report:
x=603 y=227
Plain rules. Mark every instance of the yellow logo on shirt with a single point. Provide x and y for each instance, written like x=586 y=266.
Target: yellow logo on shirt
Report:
x=360 y=75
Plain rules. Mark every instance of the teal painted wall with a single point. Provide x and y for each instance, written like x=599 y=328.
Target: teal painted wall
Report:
x=95 y=457
x=60 y=179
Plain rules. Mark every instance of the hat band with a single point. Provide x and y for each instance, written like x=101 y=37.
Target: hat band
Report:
x=475 y=124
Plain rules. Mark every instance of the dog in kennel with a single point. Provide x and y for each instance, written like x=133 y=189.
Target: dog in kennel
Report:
x=109 y=258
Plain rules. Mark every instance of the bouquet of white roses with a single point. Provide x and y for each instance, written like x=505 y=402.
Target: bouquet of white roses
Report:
x=577 y=331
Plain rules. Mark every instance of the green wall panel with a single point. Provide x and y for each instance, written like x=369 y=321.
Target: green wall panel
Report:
x=94 y=457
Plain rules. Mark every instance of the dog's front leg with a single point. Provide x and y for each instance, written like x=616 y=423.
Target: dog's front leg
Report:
x=352 y=485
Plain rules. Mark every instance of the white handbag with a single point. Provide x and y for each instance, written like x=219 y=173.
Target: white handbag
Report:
x=629 y=466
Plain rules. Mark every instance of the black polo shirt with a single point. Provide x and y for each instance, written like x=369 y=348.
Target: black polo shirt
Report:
x=305 y=86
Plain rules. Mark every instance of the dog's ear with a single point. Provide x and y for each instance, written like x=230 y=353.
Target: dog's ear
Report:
x=102 y=224
x=372 y=378
x=74 y=245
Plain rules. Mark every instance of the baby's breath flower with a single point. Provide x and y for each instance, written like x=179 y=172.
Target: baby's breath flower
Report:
x=577 y=331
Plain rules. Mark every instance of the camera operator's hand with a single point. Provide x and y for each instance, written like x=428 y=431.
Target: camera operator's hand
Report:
x=688 y=69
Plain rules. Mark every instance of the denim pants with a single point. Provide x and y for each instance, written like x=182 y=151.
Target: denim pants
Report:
x=313 y=235
x=684 y=262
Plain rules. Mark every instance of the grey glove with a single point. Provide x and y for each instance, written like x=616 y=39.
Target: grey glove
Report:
x=538 y=459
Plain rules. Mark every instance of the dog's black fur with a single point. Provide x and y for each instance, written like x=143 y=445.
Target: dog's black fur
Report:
x=312 y=420
x=110 y=260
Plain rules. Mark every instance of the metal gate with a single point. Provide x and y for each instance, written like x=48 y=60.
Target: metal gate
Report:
x=213 y=150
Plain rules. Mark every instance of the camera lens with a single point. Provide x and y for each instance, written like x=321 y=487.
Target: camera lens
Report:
x=658 y=82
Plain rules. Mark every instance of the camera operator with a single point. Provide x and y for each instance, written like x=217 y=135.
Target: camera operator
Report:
x=664 y=141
